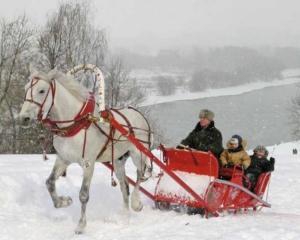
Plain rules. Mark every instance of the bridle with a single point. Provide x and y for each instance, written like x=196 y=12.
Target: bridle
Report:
x=51 y=90
x=83 y=119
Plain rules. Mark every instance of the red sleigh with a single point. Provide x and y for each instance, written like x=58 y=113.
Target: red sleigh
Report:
x=191 y=179
x=217 y=194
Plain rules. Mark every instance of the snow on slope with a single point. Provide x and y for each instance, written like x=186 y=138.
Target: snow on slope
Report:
x=26 y=210
x=228 y=91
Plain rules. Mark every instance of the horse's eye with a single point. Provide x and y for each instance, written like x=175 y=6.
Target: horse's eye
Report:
x=42 y=91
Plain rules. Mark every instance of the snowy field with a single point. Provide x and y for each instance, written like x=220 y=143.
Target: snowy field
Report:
x=26 y=211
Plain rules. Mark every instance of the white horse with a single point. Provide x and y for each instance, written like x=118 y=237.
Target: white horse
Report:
x=57 y=100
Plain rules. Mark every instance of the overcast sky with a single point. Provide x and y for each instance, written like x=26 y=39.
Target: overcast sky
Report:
x=154 y=24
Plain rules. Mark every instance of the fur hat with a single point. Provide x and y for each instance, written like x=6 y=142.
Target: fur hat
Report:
x=261 y=148
x=205 y=113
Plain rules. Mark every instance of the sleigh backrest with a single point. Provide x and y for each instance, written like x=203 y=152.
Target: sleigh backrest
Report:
x=262 y=183
x=198 y=162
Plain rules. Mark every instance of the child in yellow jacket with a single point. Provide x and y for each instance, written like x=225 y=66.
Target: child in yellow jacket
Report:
x=235 y=154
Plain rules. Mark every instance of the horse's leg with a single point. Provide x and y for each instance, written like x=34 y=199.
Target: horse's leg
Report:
x=84 y=195
x=58 y=169
x=147 y=169
x=136 y=203
x=139 y=161
x=119 y=167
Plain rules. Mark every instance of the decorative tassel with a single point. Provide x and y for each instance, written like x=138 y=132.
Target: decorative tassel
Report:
x=113 y=182
x=85 y=163
x=45 y=158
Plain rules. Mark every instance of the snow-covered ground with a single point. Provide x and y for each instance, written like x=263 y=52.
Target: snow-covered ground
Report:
x=26 y=210
x=182 y=94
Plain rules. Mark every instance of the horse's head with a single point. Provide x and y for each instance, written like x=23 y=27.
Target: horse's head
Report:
x=39 y=97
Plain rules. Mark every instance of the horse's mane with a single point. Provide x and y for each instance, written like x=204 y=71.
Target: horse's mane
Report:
x=67 y=81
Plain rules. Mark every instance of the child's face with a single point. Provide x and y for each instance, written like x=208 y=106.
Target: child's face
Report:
x=233 y=145
x=260 y=153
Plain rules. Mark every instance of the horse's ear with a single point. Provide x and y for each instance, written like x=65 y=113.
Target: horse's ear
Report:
x=53 y=74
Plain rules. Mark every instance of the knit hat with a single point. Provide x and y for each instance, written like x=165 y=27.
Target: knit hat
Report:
x=205 y=113
x=261 y=148
x=236 y=139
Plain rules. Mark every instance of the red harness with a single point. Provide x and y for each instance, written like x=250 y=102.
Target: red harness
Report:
x=82 y=120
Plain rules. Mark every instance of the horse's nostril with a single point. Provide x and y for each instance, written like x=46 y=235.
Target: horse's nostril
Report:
x=26 y=119
x=24 y=122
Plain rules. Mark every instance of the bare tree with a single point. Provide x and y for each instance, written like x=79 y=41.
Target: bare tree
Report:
x=50 y=42
x=166 y=85
x=199 y=81
x=14 y=45
x=14 y=41
x=70 y=38
x=121 y=89
x=295 y=116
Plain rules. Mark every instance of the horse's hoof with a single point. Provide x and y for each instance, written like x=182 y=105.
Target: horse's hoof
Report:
x=144 y=178
x=80 y=228
x=138 y=206
x=63 y=202
x=147 y=175
x=78 y=231
x=125 y=207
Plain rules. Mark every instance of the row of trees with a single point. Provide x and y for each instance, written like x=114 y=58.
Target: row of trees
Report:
x=68 y=38
x=208 y=78
x=222 y=67
x=228 y=59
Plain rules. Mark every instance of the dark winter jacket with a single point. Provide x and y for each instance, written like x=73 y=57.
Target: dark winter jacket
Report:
x=205 y=139
x=260 y=165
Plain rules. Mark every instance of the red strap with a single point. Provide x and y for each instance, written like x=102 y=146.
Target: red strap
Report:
x=81 y=120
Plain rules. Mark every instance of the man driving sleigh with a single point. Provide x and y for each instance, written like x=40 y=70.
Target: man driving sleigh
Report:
x=205 y=136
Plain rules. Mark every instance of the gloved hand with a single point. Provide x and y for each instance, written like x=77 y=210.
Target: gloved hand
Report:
x=181 y=146
x=272 y=160
x=228 y=165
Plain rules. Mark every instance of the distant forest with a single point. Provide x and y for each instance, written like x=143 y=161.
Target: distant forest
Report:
x=219 y=67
